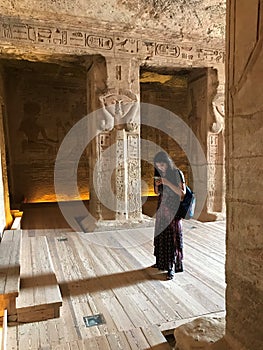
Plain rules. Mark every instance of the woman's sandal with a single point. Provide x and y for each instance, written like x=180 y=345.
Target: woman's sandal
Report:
x=179 y=267
x=170 y=274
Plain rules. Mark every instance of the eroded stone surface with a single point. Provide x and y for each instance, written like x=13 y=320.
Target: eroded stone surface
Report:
x=198 y=18
x=199 y=334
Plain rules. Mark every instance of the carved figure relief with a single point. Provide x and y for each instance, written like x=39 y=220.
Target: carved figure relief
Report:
x=218 y=126
x=216 y=103
x=119 y=110
x=35 y=136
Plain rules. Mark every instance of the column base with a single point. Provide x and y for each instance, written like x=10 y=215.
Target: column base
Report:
x=111 y=225
x=211 y=216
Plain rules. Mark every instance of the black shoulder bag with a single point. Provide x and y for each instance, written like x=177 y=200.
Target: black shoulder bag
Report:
x=187 y=205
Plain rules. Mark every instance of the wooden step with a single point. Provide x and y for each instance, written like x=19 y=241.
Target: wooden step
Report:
x=3 y=331
x=39 y=296
x=10 y=251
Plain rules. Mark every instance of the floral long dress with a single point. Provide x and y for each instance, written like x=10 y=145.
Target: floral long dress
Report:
x=168 y=238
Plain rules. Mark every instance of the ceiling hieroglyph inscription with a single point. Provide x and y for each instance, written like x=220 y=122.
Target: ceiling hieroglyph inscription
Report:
x=106 y=42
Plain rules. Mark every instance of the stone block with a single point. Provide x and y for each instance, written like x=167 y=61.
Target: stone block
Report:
x=244 y=312
x=199 y=333
x=247 y=180
x=249 y=128
x=244 y=234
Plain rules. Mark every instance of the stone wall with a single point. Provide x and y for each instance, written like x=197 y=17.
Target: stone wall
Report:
x=2 y=203
x=5 y=214
x=43 y=102
x=189 y=19
x=244 y=268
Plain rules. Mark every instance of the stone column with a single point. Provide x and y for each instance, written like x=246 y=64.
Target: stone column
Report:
x=207 y=122
x=244 y=159
x=215 y=147
x=115 y=179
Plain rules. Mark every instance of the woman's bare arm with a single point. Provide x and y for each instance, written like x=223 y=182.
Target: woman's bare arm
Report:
x=180 y=190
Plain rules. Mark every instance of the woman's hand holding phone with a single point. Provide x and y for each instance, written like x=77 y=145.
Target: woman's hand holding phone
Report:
x=158 y=180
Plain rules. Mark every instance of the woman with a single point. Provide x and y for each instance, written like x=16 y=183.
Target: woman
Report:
x=169 y=184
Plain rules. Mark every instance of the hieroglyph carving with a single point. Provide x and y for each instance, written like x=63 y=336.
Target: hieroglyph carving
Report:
x=103 y=174
x=121 y=175
x=119 y=110
x=122 y=160
x=213 y=155
x=134 y=172
x=213 y=148
x=105 y=42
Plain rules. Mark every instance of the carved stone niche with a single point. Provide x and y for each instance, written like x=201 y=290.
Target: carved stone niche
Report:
x=119 y=110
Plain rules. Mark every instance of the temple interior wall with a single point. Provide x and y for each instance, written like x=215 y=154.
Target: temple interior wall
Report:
x=5 y=215
x=244 y=168
x=43 y=102
x=151 y=35
x=201 y=27
x=64 y=93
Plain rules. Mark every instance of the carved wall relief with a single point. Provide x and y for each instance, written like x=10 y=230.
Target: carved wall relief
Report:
x=219 y=124
x=215 y=99
x=119 y=168
x=105 y=43
x=43 y=102
x=104 y=173
x=119 y=110
x=121 y=176
x=215 y=144
x=118 y=118
x=134 y=172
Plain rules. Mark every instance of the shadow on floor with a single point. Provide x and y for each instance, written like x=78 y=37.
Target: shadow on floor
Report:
x=95 y=284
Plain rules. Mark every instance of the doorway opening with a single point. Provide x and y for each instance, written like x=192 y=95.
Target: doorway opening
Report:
x=42 y=102
x=184 y=93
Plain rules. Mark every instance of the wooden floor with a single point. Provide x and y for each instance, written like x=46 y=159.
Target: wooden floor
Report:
x=110 y=273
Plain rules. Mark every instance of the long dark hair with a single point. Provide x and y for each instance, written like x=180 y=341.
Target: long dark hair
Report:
x=163 y=157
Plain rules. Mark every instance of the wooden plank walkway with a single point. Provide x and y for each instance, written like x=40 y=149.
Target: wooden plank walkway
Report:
x=110 y=273
x=39 y=295
x=10 y=247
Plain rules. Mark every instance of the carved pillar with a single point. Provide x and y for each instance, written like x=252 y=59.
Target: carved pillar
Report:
x=207 y=122
x=215 y=146
x=244 y=160
x=115 y=192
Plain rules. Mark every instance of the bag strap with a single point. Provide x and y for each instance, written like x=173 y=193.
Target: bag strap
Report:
x=183 y=181
x=181 y=175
